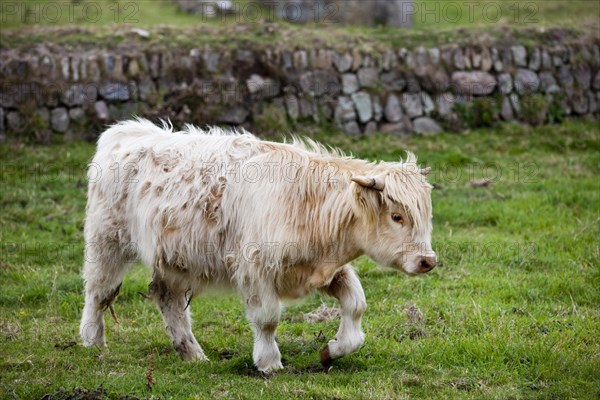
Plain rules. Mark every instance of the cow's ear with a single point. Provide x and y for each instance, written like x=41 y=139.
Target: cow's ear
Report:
x=370 y=182
x=426 y=171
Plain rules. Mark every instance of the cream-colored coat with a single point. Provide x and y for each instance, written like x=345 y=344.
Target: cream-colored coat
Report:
x=271 y=220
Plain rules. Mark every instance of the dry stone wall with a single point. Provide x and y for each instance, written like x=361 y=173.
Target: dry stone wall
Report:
x=50 y=90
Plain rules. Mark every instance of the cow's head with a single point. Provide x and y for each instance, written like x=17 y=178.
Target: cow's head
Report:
x=393 y=207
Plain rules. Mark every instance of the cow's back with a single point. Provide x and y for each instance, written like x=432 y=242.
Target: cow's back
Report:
x=159 y=192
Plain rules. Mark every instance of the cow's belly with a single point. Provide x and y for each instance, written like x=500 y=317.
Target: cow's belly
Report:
x=299 y=280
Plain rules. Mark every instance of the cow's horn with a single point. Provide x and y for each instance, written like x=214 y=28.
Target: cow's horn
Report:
x=369 y=182
x=426 y=171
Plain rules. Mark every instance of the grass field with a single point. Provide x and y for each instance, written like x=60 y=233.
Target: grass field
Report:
x=427 y=14
x=435 y=22
x=514 y=313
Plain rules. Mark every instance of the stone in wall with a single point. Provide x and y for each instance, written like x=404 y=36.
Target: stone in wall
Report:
x=506 y=111
x=60 y=119
x=211 y=60
x=433 y=79
x=526 y=81
x=486 y=60
x=497 y=63
x=412 y=104
x=292 y=106
x=428 y=105
x=516 y=103
x=370 y=128
x=444 y=102
x=583 y=76
x=363 y=105
x=505 y=83
x=318 y=83
x=393 y=109
x=519 y=55
x=114 y=91
x=344 y=111
x=101 y=111
x=477 y=83
x=80 y=94
x=548 y=83
x=14 y=122
x=459 y=59
x=351 y=128
x=77 y=115
x=546 y=60
x=349 y=83
x=535 y=59
x=401 y=128
x=308 y=108
x=368 y=77
x=322 y=59
x=377 y=109
x=426 y=125
x=262 y=87
x=390 y=60
x=393 y=81
x=343 y=62
x=579 y=101
x=565 y=77
x=146 y=89
x=412 y=83
x=236 y=115
x=300 y=59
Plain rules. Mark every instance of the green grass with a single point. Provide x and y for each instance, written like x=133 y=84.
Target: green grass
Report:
x=137 y=13
x=428 y=14
x=513 y=313
x=90 y=22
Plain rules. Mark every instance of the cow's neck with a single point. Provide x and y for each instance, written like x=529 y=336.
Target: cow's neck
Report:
x=340 y=236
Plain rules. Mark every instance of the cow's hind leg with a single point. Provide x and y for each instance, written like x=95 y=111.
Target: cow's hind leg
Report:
x=346 y=287
x=103 y=272
x=264 y=309
x=174 y=306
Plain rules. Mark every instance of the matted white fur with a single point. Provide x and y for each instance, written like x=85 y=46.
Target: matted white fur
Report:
x=226 y=209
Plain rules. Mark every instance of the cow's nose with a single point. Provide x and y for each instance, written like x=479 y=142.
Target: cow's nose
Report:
x=427 y=264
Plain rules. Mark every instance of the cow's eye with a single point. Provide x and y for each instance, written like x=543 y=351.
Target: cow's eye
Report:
x=397 y=218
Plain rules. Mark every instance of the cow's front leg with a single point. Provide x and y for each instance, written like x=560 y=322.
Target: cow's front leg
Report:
x=346 y=287
x=176 y=313
x=264 y=309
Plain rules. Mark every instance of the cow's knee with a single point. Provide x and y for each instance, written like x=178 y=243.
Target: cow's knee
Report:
x=97 y=300
x=174 y=306
x=347 y=289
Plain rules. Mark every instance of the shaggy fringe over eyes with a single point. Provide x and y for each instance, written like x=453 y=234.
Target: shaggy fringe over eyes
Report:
x=409 y=188
x=404 y=186
x=367 y=202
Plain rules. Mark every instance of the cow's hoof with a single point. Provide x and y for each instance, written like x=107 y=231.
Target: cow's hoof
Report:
x=326 y=359
x=271 y=368
x=196 y=356
x=191 y=353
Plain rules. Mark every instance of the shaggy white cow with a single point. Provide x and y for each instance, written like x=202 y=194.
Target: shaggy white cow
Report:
x=273 y=221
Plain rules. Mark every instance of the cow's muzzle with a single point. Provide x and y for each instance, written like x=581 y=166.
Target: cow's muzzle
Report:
x=426 y=264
